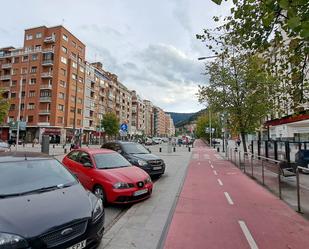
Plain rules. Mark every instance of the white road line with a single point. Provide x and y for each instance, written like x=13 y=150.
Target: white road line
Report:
x=229 y=199
x=220 y=182
x=248 y=235
x=215 y=172
x=211 y=166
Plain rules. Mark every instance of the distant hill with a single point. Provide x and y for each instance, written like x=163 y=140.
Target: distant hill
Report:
x=180 y=117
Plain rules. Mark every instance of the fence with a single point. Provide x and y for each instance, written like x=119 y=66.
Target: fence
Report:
x=291 y=185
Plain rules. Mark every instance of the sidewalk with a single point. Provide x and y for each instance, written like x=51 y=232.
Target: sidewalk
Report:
x=219 y=207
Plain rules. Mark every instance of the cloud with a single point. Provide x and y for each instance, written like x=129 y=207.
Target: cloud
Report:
x=181 y=14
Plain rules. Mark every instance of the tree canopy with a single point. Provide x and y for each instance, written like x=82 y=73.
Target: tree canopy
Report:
x=4 y=107
x=110 y=123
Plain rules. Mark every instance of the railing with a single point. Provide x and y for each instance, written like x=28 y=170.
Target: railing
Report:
x=286 y=182
x=5 y=77
x=50 y=39
x=6 y=65
x=44 y=112
x=45 y=99
x=21 y=51
x=46 y=74
x=47 y=62
x=46 y=86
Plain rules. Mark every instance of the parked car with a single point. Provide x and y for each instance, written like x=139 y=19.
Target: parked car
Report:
x=157 y=140
x=109 y=175
x=4 y=146
x=42 y=205
x=149 y=141
x=302 y=158
x=139 y=156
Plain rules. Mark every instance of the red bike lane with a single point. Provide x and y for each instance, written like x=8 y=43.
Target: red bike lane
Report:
x=220 y=207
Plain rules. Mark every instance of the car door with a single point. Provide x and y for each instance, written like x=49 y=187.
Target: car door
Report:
x=85 y=170
x=71 y=160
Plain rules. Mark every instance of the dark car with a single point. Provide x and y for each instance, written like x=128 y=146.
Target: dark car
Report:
x=139 y=156
x=302 y=158
x=42 y=205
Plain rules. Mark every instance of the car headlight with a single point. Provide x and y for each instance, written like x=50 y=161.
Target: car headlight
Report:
x=148 y=180
x=142 y=162
x=12 y=241
x=121 y=185
x=97 y=211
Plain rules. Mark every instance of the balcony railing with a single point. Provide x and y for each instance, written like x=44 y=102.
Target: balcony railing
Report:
x=50 y=39
x=48 y=50
x=43 y=123
x=6 y=65
x=45 y=99
x=47 y=62
x=5 y=77
x=44 y=112
x=47 y=75
x=46 y=86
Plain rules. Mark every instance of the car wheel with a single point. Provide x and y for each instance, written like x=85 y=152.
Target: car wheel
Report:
x=99 y=192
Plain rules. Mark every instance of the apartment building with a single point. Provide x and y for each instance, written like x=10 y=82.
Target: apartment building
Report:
x=49 y=74
x=138 y=115
x=159 y=122
x=149 y=118
x=169 y=125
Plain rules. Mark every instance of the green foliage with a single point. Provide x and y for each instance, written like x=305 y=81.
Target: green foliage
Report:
x=203 y=122
x=4 y=107
x=110 y=123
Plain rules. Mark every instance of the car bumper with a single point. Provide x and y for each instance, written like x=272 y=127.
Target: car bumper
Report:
x=124 y=196
x=154 y=172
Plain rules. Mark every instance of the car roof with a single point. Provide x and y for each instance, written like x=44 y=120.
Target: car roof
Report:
x=17 y=156
x=121 y=142
x=95 y=150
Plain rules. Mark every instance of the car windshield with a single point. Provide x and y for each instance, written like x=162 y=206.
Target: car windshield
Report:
x=306 y=155
x=132 y=148
x=110 y=161
x=23 y=177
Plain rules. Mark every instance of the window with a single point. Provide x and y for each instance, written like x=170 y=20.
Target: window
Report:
x=71 y=121
x=74 y=64
x=30 y=119
x=74 y=76
x=61 y=107
x=81 y=80
x=63 y=72
x=16 y=60
x=64 y=49
x=31 y=106
x=12 y=107
x=74 y=55
x=60 y=120
x=65 y=37
x=14 y=83
x=79 y=111
x=79 y=122
x=29 y=37
x=61 y=95
x=63 y=60
x=72 y=98
x=74 y=44
x=25 y=58
x=79 y=101
x=34 y=57
x=82 y=69
x=80 y=48
x=62 y=83
x=31 y=94
x=72 y=109
x=24 y=70
x=33 y=69
x=23 y=81
x=38 y=35
x=14 y=71
x=38 y=47
x=22 y=107
x=32 y=81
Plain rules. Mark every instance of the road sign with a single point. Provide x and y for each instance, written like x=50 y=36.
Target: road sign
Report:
x=124 y=127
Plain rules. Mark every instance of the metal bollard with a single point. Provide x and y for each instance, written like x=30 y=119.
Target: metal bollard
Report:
x=174 y=149
x=53 y=146
x=252 y=166
x=65 y=150
x=298 y=191
x=160 y=149
x=279 y=182
x=189 y=148
x=263 y=178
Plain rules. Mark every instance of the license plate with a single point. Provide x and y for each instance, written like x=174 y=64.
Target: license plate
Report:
x=157 y=168
x=140 y=192
x=79 y=245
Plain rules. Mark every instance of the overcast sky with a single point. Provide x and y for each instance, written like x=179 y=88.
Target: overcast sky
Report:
x=150 y=45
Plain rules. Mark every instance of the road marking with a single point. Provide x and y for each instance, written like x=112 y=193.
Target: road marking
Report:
x=229 y=199
x=248 y=235
x=211 y=166
x=215 y=172
x=220 y=182
x=209 y=161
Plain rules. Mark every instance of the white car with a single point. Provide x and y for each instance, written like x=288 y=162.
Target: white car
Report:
x=157 y=140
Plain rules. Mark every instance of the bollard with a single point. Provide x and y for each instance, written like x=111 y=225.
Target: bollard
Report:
x=174 y=149
x=65 y=150
x=298 y=191
x=160 y=149
x=218 y=149
x=189 y=148
x=24 y=144
x=53 y=146
x=32 y=145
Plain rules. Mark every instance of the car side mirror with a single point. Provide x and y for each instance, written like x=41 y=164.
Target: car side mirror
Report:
x=87 y=164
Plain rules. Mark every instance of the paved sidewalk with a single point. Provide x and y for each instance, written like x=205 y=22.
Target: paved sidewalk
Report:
x=220 y=207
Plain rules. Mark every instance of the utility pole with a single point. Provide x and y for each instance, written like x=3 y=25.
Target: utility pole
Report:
x=18 y=114
x=75 y=100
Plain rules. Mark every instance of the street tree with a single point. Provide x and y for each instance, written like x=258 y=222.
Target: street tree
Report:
x=241 y=88
x=110 y=123
x=203 y=125
x=4 y=107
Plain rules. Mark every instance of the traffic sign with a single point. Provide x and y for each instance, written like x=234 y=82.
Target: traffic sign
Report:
x=124 y=127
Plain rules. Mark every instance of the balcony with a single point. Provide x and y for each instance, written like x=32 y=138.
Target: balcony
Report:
x=7 y=65
x=45 y=99
x=5 y=88
x=43 y=124
x=48 y=50
x=47 y=62
x=5 y=77
x=46 y=87
x=44 y=112
x=47 y=75
x=50 y=39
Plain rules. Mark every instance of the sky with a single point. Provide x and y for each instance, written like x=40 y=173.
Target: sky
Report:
x=150 y=45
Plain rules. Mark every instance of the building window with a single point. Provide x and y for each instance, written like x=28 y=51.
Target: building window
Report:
x=61 y=95
x=65 y=37
x=34 y=57
x=79 y=111
x=16 y=60
x=22 y=107
x=74 y=44
x=79 y=101
x=33 y=69
x=74 y=76
x=63 y=60
x=73 y=55
x=79 y=122
x=14 y=83
x=31 y=94
x=12 y=107
x=24 y=70
x=82 y=69
x=60 y=120
x=31 y=106
x=61 y=107
x=23 y=94
x=81 y=80
x=64 y=49
x=25 y=58
x=29 y=37
x=63 y=72
x=62 y=83
x=72 y=109
x=72 y=98
x=32 y=81
x=30 y=119
x=80 y=48
x=38 y=35
x=71 y=121
x=74 y=64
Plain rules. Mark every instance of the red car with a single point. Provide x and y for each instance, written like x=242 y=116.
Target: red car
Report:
x=109 y=175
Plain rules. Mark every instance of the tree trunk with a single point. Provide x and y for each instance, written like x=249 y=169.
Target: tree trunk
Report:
x=243 y=138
